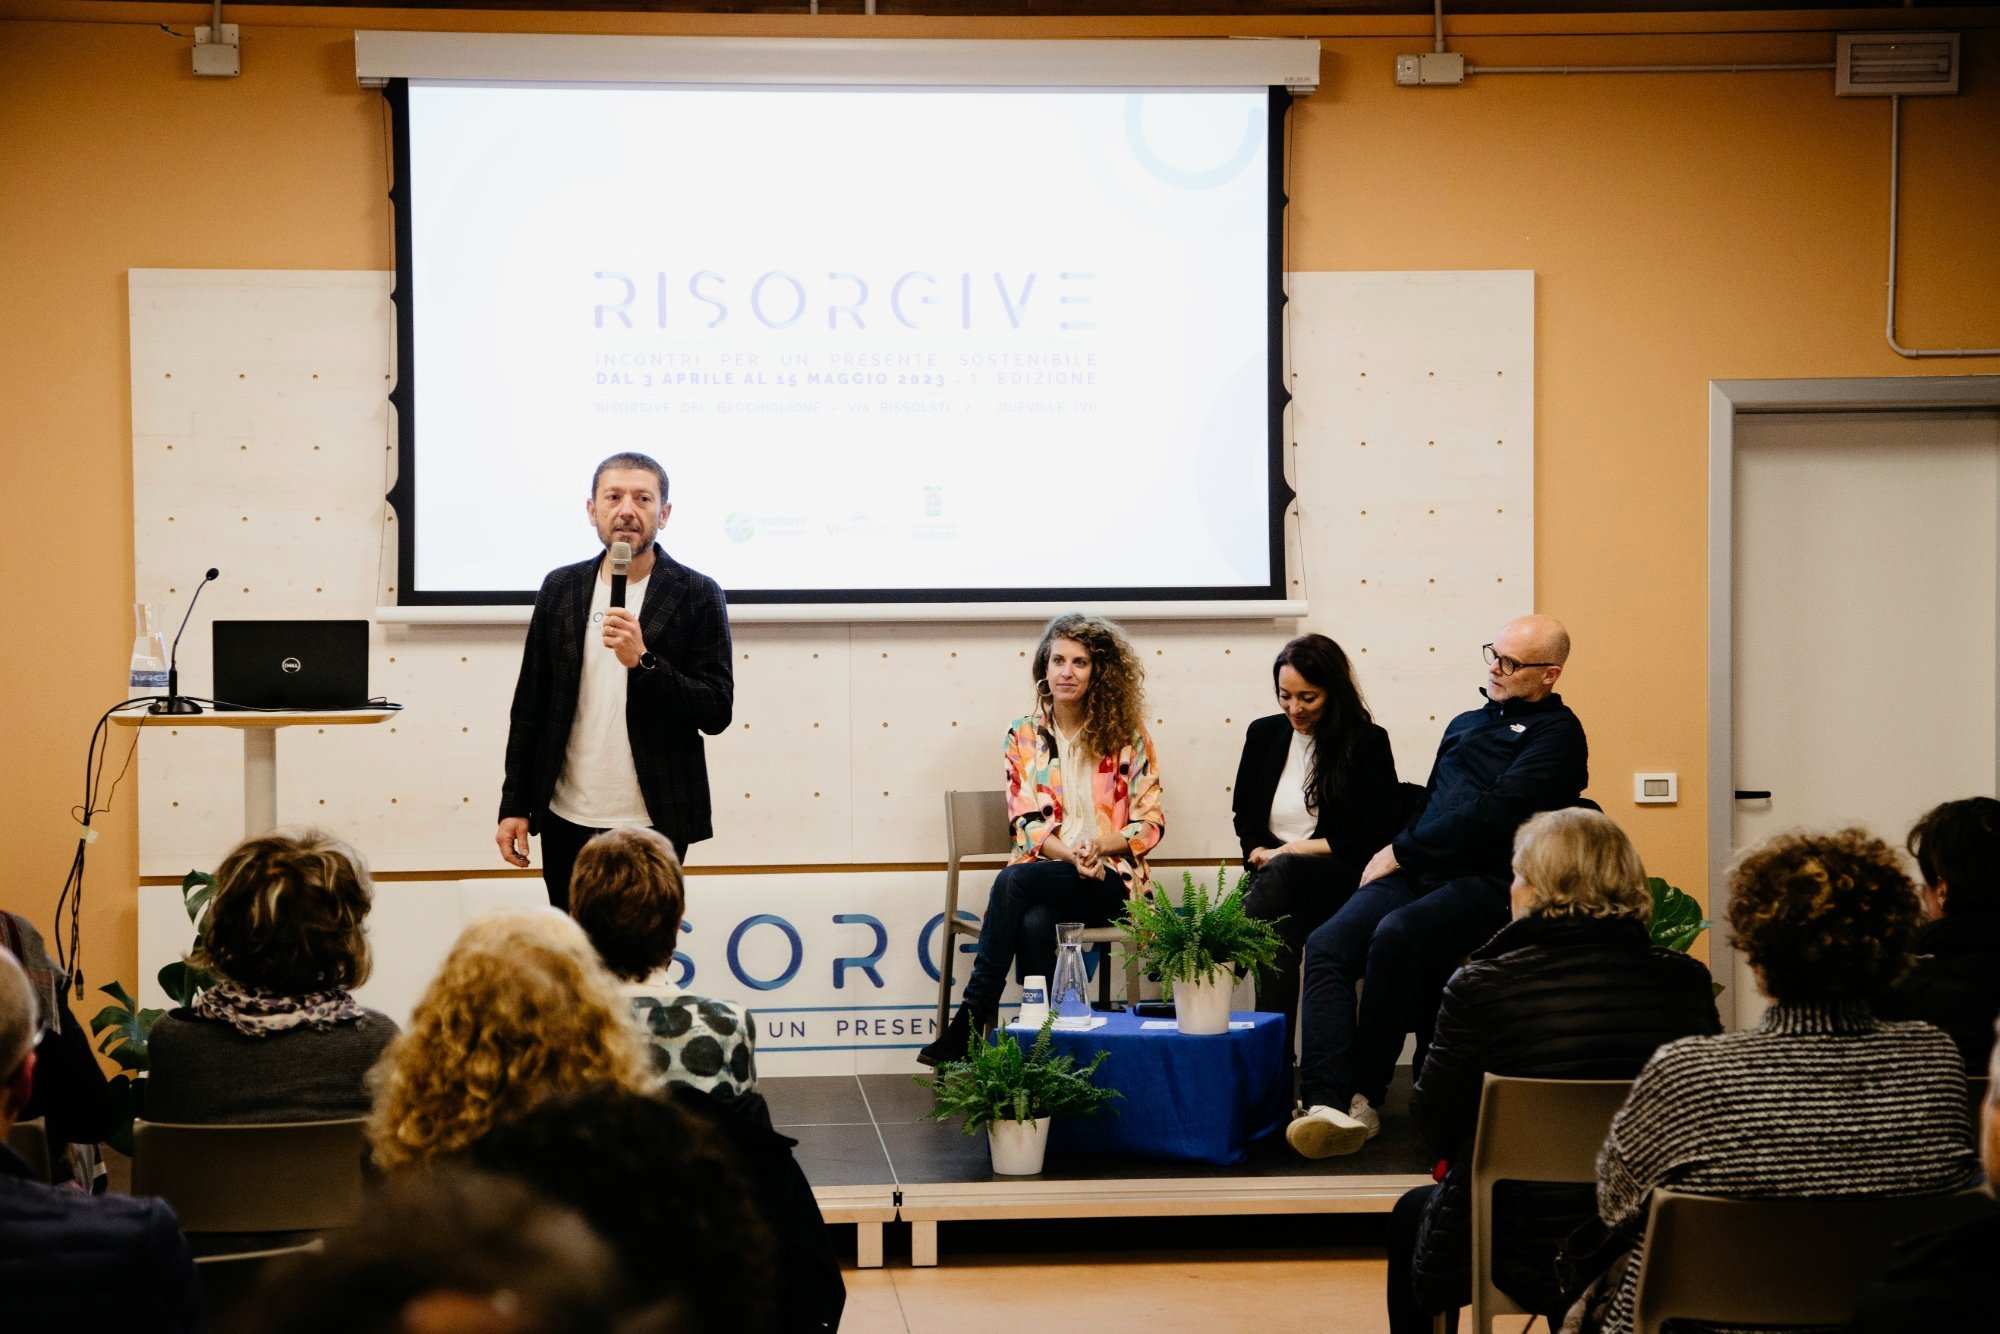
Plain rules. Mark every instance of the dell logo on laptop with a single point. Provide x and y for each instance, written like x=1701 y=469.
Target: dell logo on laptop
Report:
x=291 y=665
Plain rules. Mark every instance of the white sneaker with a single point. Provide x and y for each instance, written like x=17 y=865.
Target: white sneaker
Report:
x=1322 y=1132
x=1361 y=1110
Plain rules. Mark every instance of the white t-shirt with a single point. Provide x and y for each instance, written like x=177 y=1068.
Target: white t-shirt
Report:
x=598 y=787
x=1291 y=818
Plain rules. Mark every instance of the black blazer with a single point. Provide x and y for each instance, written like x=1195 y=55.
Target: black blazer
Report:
x=685 y=621
x=1356 y=829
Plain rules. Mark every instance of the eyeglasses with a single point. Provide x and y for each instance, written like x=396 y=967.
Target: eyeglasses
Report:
x=1507 y=665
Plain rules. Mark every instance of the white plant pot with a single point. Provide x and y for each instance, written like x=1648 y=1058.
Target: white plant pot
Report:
x=1018 y=1146
x=1203 y=1006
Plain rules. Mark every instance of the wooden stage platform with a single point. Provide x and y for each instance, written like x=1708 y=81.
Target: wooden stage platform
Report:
x=873 y=1159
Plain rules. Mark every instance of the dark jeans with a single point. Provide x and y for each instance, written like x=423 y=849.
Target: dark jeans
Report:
x=1304 y=891
x=561 y=841
x=1405 y=1316
x=1026 y=902
x=1400 y=937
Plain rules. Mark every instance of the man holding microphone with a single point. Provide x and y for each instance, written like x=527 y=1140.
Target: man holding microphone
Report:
x=623 y=670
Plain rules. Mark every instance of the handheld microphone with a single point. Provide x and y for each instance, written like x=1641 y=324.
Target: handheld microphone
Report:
x=175 y=703
x=621 y=561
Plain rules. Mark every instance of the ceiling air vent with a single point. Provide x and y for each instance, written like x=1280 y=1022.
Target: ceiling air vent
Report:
x=1879 y=64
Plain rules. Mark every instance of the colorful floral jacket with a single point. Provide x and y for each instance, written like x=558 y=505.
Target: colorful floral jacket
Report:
x=1125 y=790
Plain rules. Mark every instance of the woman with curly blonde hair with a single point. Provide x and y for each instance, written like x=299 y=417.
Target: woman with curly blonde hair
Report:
x=1821 y=1097
x=1083 y=799
x=520 y=1012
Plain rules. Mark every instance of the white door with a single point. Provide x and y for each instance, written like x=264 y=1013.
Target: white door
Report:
x=1863 y=629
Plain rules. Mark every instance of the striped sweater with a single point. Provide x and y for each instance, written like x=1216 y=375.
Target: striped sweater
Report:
x=1816 y=1100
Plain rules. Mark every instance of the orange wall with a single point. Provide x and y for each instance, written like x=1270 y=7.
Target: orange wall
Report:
x=1682 y=227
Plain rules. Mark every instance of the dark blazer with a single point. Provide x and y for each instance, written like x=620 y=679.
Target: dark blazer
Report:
x=74 y=1262
x=1545 y=998
x=1954 y=983
x=1356 y=829
x=685 y=622
x=1495 y=766
x=1944 y=1281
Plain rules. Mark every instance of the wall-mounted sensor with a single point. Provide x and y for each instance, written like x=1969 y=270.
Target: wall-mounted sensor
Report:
x=1656 y=789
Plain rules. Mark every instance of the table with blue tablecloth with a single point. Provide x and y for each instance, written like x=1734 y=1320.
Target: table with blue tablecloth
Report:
x=1200 y=1099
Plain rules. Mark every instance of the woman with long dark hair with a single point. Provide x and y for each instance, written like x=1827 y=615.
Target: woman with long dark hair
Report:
x=1315 y=796
x=1083 y=801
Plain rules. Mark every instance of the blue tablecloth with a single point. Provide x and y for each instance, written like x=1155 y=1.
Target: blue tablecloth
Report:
x=1200 y=1099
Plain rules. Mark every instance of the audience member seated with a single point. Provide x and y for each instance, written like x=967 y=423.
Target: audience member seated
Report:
x=1084 y=802
x=1571 y=988
x=1437 y=891
x=520 y=1012
x=1954 y=980
x=451 y=1250
x=278 y=1036
x=1947 y=1281
x=71 y=1261
x=1822 y=1097
x=626 y=893
x=71 y=1098
x=705 y=1213
x=1315 y=796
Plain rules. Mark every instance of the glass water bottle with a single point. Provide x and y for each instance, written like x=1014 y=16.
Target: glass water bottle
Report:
x=1069 y=989
x=149 y=651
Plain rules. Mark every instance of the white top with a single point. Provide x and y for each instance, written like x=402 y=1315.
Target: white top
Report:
x=1079 y=817
x=1291 y=818
x=598 y=787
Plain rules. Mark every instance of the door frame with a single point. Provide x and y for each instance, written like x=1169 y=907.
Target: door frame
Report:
x=1728 y=400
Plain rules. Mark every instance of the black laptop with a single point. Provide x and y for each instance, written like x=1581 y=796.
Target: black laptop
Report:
x=291 y=664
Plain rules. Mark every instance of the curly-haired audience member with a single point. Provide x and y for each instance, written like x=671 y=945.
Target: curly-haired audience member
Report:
x=279 y=1036
x=1954 y=980
x=626 y=893
x=451 y=1249
x=681 y=1166
x=520 y=1012
x=1571 y=988
x=1083 y=799
x=1822 y=1097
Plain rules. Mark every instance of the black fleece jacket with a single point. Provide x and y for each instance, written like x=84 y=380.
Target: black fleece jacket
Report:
x=1495 y=767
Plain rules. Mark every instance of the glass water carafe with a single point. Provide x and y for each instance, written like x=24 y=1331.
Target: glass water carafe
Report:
x=1069 y=989
x=149 y=651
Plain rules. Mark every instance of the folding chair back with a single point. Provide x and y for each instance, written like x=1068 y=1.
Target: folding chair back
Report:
x=300 y=1176
x=30 y=1139
x=1777 y=1262
x=1531 y=1130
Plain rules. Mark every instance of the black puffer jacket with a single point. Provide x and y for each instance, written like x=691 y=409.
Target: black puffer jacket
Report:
x=1954 y=983
x=1545 y=998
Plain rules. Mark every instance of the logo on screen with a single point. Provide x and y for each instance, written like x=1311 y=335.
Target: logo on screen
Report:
x=739 y=528
x=292 y=666
x=933 y=501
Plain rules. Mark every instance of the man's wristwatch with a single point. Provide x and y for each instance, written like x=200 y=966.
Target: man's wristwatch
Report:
x=649 y=661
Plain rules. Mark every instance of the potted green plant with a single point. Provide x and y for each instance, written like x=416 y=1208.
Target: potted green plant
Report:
x=1200 y=948
x=124 y=1029
x=1012 y=1095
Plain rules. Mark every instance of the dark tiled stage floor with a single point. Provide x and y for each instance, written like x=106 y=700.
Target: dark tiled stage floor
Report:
x=871 y=1156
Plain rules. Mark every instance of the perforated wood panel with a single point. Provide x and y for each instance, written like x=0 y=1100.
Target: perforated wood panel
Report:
x=263 y=444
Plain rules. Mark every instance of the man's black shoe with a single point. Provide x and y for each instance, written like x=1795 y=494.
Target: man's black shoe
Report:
x=953 y=1043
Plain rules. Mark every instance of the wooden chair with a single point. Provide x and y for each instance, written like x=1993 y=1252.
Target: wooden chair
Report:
x=1777 y=1262
x=30 y=1139
x=297 y=1177
x=1531 y=1130
x=976 y=833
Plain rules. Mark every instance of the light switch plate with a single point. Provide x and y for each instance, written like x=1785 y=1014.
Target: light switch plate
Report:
x=1656 y=789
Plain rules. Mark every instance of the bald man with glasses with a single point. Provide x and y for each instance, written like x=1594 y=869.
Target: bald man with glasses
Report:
x=1438 y=890
x=70 y=1261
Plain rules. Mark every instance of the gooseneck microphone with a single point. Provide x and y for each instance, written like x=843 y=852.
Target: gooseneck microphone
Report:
x=175 y=703
x=621 y=561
